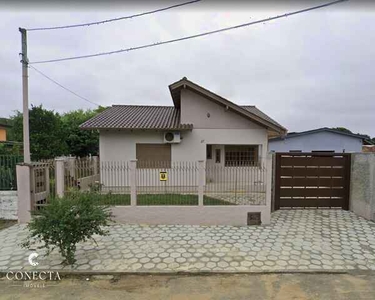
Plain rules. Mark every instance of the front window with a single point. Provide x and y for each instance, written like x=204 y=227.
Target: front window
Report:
x=241 y=155
x=152 y=156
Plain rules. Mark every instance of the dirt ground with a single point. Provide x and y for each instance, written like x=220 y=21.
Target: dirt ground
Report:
x=182 y=287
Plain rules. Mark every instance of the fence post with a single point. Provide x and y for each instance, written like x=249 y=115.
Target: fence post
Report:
x=60 y=176
x=95 y=165
x=133 y=182
x=24 y=192
x=267 y=217
x=201 y=182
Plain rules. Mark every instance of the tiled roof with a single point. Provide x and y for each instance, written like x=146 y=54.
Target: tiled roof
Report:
x=137 y=117
x=148 y=117
x=256 y=111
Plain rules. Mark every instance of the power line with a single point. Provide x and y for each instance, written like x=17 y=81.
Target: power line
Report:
x=189 y=37
x=115 y=19
x=60 y=85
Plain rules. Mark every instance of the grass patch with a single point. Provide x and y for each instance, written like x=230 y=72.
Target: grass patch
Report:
x=214 y=201
x=6 y=223
x=157 y=199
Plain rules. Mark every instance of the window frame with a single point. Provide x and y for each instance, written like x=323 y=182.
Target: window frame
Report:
x=237 y=157
x=208 y=151
x=217 y=156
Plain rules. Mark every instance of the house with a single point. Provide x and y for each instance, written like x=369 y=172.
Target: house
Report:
x=3 y=132
x=368 y=148
x=200 y=125
x=321 y=139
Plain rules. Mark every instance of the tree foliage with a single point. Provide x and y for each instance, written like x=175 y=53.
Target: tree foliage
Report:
x=52 y=134
x=80 y=142
x=343 y=129
x=46 y=134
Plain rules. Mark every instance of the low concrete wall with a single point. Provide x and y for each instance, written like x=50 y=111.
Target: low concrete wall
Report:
x=8 y=205
x=189 y=215
x=86 y=182
x=362 y=185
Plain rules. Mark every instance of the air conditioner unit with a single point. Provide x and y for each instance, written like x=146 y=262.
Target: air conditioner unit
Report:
x=172 y=137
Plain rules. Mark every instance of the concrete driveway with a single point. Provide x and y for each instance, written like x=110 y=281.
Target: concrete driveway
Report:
x=296 y=240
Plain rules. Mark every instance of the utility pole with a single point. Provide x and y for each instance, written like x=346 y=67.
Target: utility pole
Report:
x=25 y=96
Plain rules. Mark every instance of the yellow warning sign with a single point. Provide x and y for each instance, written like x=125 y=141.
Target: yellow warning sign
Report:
x=163 y=176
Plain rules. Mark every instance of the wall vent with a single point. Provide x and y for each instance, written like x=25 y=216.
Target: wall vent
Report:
x=253 y=218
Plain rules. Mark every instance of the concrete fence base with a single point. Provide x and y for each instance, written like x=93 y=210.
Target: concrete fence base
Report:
x=189 y=215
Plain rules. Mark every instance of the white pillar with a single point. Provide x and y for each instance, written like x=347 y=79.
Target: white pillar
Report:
x=133 y=182
x=60 y=176
x=201 y=181
x=71 y=161
x=266 y=218
x=95 y=160
x=24 y=193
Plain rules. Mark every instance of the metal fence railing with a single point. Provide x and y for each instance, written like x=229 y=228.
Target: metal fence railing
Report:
x=235 y=185
x=8 y=176
x=81 y=173
x=176 y=183
x=167 y=183
x=148 y=183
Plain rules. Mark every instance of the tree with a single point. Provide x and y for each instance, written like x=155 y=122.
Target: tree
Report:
x=81 y=142
x=343 y=129
x=52 y=134
x=47 y=136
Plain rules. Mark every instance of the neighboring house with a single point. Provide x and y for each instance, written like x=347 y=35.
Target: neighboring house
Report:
x=321 y=139
x=368 y=148
x=200 y=125
x=3 y=132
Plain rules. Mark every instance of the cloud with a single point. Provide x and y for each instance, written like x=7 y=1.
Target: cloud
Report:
x=305 y=71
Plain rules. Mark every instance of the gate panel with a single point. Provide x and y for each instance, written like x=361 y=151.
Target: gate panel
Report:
x=312 y=180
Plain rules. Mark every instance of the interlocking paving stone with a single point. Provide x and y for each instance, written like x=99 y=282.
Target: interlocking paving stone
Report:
x=295 y=240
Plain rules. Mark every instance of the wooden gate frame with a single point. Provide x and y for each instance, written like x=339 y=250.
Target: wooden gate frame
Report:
x=347 y=170
x=36 y=194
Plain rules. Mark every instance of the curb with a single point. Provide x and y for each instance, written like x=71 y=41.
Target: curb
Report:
x=79 y=273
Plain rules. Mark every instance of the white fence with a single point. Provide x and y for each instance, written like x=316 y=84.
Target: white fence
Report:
x=175 y=193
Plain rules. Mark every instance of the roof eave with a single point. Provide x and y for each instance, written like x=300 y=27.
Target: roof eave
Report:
x=312 y=131
x=138 y=129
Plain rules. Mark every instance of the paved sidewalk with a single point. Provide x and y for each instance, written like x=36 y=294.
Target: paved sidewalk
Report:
x=296 y=240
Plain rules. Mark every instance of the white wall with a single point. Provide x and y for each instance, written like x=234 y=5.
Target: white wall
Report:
x=318 y=141
x=204 y=113
x=120 y=145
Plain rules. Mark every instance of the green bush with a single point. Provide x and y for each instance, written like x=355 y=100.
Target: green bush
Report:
x=66 y=221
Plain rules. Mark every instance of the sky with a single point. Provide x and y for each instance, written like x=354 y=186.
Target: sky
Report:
x=306 y=71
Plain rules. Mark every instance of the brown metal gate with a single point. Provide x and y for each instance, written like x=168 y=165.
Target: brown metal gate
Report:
x=312 y=180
